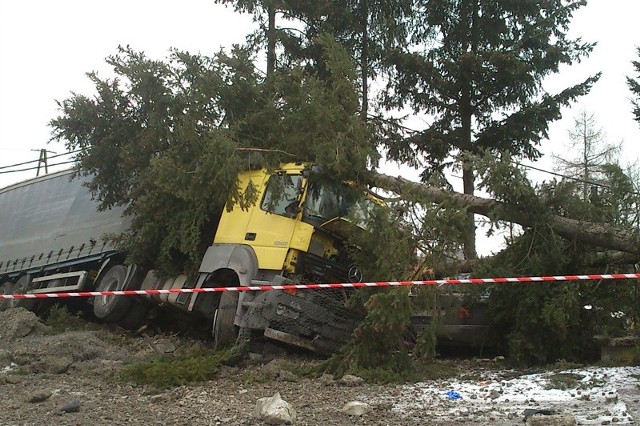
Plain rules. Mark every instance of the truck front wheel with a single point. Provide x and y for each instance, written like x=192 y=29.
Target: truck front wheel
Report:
x=112 y=308
x=224 y=331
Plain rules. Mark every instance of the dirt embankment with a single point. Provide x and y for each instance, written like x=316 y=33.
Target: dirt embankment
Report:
x=72 y=378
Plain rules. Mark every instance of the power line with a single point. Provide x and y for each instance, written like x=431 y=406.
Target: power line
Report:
x=66 y=153
x=35 y=161
x=18 y=164
x=563 y=176
x=600 y=184
x=34 y=168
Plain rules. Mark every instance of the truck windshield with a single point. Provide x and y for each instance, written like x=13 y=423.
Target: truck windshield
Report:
x=327 y=200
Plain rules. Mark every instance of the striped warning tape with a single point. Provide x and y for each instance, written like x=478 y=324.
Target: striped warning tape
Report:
x=320 y=286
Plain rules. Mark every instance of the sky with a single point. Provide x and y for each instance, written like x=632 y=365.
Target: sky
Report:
x=46 y=47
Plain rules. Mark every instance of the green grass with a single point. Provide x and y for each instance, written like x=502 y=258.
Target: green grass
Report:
x=60 y=320
x=188 y=366
x=563 y=381
x=407 y=372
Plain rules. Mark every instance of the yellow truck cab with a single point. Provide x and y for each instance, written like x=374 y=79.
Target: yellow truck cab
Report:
x=289 y=229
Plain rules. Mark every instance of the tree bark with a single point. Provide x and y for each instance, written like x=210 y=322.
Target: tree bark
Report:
x=597 y=234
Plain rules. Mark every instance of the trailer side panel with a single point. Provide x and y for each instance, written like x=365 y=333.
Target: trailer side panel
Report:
x=52 y=220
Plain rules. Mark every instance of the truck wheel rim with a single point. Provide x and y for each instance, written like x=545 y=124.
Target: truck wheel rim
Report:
x=112 y=285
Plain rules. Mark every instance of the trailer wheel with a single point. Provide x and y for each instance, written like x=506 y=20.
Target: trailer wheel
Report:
x=6 y=288
x=21 y=287
x=112 y=308
x=224 y=331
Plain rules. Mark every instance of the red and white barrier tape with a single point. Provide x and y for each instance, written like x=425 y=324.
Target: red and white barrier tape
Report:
x=320 y=286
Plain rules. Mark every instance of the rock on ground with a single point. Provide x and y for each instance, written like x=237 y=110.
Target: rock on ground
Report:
x=274 y=410
x=356 y=408
x=18 y=323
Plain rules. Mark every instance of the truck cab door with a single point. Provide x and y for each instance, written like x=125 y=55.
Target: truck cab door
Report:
x=274 y=218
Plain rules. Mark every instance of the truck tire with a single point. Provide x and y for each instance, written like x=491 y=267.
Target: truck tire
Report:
x=21 y=287
x=224 y=332
x=136 y=316
x=112 y=308
x=6 y=288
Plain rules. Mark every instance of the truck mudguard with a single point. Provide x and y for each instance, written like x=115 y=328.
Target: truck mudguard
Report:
x=239 y=257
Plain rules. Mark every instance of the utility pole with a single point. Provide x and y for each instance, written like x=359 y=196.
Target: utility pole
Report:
x=42 y=161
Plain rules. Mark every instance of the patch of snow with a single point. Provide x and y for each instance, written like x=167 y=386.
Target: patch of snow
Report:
x=591 y=396
x=9 y=368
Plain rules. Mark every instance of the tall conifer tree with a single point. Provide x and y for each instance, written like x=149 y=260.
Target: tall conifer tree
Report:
x=476 y=68
x=365 y=28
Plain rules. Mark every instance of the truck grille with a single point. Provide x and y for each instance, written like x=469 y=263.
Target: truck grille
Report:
x=322 y=269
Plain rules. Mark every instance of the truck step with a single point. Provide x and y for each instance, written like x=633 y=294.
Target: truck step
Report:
x=42 y=282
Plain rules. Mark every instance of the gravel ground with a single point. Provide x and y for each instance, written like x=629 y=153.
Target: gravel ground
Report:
x=68 y=379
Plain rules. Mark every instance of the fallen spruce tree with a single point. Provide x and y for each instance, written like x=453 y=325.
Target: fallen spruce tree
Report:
x=597 y=234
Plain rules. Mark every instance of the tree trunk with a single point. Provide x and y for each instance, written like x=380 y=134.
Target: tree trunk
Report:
x=364 y=64
x=468 y=182
x=467 y=12
x=271 y=41
x=585 y=163
x=597 y=234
